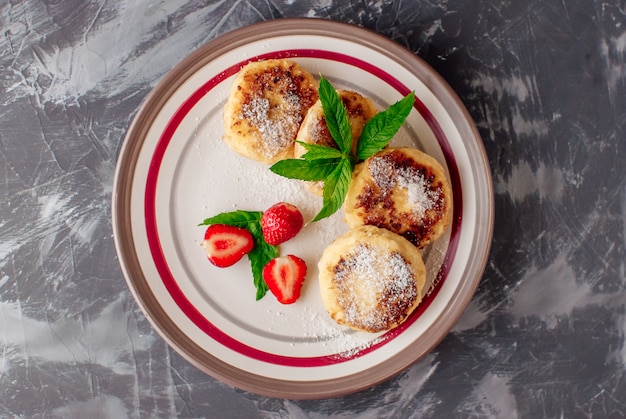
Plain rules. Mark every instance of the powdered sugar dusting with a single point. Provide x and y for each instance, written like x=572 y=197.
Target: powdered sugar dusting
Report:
x=387 y=176
x=375 y=289
x=421 y=197
x=382 y=171
x=318 y=133
x=277 y=125
x=339 y=341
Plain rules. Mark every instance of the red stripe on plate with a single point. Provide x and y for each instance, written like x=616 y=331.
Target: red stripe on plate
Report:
x=174 y=289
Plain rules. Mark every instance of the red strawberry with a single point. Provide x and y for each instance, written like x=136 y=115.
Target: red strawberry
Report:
x=284 y=276
x=225 y=245
x=281 y=222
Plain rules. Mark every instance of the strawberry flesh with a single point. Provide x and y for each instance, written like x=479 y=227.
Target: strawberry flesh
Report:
x=284 y=277
x=225 y=245
x=281 y=222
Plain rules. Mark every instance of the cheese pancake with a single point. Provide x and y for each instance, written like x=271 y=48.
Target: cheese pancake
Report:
x=371 y=279
x=403 y=190
x=266 y=105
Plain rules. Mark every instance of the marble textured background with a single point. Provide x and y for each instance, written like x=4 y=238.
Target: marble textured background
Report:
x=545 y=334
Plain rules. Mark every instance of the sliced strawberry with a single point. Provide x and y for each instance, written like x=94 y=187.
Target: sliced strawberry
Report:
x=225 y=245
x=281 y=222
x=284 y=276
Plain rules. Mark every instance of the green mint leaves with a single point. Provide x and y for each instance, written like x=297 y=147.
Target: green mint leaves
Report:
x=261 y=253
x=384 y=125
x=334 y=166
x=336 y=116
x=336 y=188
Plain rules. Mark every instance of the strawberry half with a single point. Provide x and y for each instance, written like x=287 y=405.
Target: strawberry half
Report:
x=284 y=276
x=225 y=245
x=281 y=222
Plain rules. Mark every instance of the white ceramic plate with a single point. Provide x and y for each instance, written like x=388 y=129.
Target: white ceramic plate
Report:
x=174 y=170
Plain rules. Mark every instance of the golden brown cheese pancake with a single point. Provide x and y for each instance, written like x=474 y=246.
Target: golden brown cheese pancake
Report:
x=403 y=190
x=266 y=105
x=371 y=279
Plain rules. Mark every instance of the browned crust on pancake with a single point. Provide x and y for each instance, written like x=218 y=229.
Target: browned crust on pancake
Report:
x=266 y=105
x=371 y=279
x=379 y=195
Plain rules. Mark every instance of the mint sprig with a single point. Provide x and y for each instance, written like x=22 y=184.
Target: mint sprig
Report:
x=383 y=126
x=336 y=116
x=261 y=253
x=333 y=165
x=335 y=188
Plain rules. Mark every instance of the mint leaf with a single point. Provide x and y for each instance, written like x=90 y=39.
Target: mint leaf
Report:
x=335 y=189
x=261 y=253
x=259 y=256
x=318 y=151
x=336 y=116
x=379 y=130
x=311 y=170
x=237 y=218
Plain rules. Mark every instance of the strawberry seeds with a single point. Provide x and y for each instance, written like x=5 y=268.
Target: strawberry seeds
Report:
x=281 y=222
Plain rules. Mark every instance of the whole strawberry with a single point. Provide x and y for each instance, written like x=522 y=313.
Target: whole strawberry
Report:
x=281 y=222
